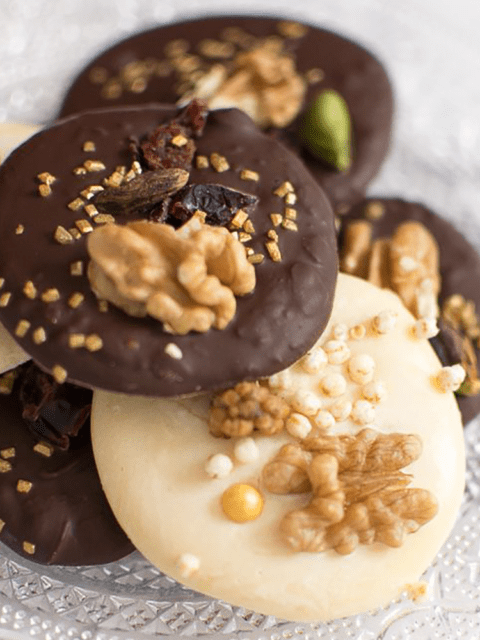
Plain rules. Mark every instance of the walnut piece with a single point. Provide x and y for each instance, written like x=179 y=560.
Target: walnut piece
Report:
x=186 y=278
x=245 y=408
x=263 y=82
x=359 y=493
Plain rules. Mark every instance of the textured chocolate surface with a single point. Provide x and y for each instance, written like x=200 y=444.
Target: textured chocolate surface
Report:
x=273 y=326
x=64 y=517
x=348 y=68
x=459 y=270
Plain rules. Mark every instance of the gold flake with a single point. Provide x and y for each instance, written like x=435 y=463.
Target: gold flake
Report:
x=103 y=306
x=22 y=328
x=273 y=251
x=215 y=48
x=93 y=342
x=136 y=167
x=76 y=204
x=83 y=226
x=5 y=298
x=290 y=225
x=314 y=75
x=5 y=466
x=79 y=171
x=2 y=524
x=50 y=295
x=292 y=29
x=256 y=258
x=91 y=210
x=44 y=190
x=91 y=190
x=19 y=229
x=24 y=486
x=248 y=226
x=174 y=351
x=276 y=219
x=28 y=547
x=76 y=340
x=239 y=219
x=76 y=299
x=62 y=236
x=89 y=145
x=290 y=214
x=2 y=282
x=44 y=449
x=176 y=48
x=76 y=268
x=8 y=453
x=248 y=174
x=249 y=251
x=46 y=177
x=39 y=335
x=115 y=179
x=98 y=75
x=374 y=210
x=30 y=290
x=104 y=218
x=244 y=237
x=94 y=165
x=59 y=373
x=6 y=382
x=179 y=141
x=75 y=233
x=291 y=198
x=283 y=189
x=273 y=235
x=219 y=163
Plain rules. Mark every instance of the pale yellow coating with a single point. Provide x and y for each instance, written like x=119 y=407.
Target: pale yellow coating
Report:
x=11 y=135
x=151 y=455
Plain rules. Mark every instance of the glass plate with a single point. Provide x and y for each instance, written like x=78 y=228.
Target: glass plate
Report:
x=435 y=158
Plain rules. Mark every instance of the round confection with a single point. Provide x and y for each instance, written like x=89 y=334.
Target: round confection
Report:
x=11 y=135
x=155 y=66
x=52 y=507
x=47 y=298
x=459 y=264
x=156 y=466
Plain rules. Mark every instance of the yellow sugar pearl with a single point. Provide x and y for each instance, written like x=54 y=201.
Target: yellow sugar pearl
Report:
x=242 y=502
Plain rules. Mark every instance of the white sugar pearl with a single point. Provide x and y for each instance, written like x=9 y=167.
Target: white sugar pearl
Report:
x=219 y=465
x=361 y=368
x=298 y=425
x=246 y=450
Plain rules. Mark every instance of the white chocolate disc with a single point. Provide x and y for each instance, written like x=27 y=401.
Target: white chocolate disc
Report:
x=151 y=455
x=11 y=135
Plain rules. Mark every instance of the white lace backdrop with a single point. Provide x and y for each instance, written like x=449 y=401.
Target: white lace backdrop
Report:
x=432 y=51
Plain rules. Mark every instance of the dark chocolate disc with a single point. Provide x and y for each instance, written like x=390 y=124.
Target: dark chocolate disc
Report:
x=459 y=272
x=52 y=507
x=138 y=70
x=46 y=299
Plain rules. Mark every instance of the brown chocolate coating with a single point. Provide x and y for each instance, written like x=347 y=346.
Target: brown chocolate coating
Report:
x=348 y=68
x=459 y=271
x=273 y=326
x=64 y=518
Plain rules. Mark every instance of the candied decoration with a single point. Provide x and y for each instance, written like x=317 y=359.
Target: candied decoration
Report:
x=187 y=279
x=242 y=502
x=359 y=493
x=246 y=408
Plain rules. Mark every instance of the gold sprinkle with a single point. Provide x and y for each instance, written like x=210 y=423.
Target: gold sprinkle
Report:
x=104 y=218
x=5 y=298
x=30 y=290
x=256 y=258
x=239 y=219
x=44 y=449
x=91 y=210
x=62 y=236
x=94 y=165
x=80 y=171
x=291 y=29
x=291 y=198
x=290 y=225
x=28 y=547
x=76 y=299
x=76 y=268
x=5 y=466
x=121 y=168
x=248 y=226
x=103 y=306
x=130 y=175
x=174 y=351
x=46 y=177
x=176 y=48
x=290 y=214
x=249 y=251
x=276 y=219
x=2 y=524
x=219 y=163
x=59 y=373
x=215 y=48
x=244 y=237
x=273 y=251
x=44 y=190
x=50 y=295
x=39 y=335
x=137 y=167
x=76 y=340
x=93 y=342
x=202 y=162
x=114 y=180
x=89 y=145
x=92 y=190
x=75 y=233
x=8 y=453
x=343 y=208
x=6 y=382
x=283 y=189
x=273 y=235
x=83 y=226
x=374 y=210
x=20 y=229
x=24 y=486
x=314 y=75
x=247 y=174
x=2 y=282
x=179 y=141
x=76 y=204
x=22 y=328
x=98 y=75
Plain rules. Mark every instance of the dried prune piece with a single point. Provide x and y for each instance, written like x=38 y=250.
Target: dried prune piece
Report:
x=194 y=117
x=218 y=202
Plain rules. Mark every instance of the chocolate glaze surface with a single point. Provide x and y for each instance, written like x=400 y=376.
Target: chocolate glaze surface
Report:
x=348 y=68
x=64 y=516
x=459 y=270
x=273 y=326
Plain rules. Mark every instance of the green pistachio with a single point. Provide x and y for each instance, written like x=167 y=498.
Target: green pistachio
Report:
x=326 y=129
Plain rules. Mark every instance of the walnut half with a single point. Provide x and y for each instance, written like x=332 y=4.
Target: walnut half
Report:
x=186 y=278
